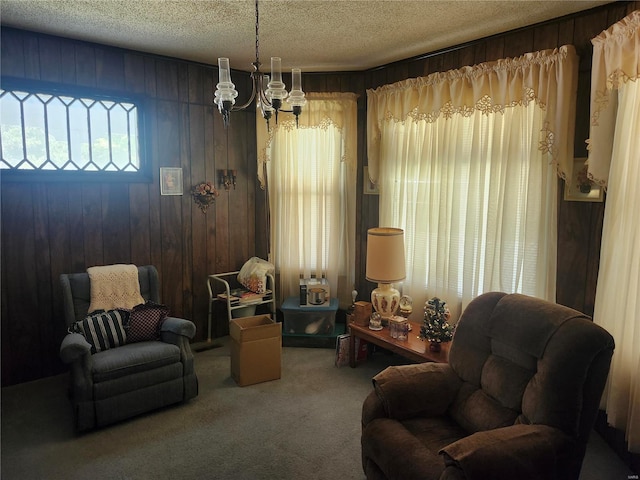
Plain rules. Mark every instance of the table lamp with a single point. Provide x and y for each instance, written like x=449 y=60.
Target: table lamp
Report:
x=385 y=266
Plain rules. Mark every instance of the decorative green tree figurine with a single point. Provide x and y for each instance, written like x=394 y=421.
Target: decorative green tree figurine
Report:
x=436 y=328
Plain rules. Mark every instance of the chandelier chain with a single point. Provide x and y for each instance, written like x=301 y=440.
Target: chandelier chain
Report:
x=257 y=36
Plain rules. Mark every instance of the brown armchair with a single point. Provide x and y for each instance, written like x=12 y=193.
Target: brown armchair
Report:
x=517 y=399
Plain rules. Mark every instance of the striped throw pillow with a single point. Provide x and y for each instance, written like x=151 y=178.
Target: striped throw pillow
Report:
x=103 y=330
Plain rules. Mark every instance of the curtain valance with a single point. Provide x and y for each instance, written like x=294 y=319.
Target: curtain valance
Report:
x=322 y=109
x=616 y=60
x=548 y=77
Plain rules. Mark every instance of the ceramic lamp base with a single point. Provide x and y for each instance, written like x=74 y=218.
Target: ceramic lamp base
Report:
x=385 y=300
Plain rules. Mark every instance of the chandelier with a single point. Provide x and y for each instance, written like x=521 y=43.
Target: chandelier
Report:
x=268 y=93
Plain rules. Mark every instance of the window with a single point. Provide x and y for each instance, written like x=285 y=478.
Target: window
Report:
x=467 y=163
x=477 y=215
x=308 y=195
x=55 y=132
x=311 y=182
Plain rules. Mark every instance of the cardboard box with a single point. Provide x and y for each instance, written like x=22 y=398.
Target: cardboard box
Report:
x=315 y=292
x=362 y=313
x=308 y=320
x=256 y=349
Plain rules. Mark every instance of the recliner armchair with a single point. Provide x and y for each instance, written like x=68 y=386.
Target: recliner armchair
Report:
x=517 y=400
x=118 y=383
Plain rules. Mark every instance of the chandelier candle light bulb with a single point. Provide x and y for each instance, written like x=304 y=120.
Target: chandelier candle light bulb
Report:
x=226 y=93
x=276 y=88
x=266 y=107
x=296 y=96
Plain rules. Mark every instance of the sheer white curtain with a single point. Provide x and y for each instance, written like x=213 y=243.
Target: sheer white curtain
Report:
x=311 y=176
x=465 y=162
x=614 y=161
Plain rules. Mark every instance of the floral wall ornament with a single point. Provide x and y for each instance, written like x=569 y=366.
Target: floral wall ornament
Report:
x=204 y=194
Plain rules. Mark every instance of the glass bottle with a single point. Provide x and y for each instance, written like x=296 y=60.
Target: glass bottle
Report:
x=403 y=330
x=393 y=328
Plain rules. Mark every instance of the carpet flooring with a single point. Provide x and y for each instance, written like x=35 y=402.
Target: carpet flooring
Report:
x=304 y=426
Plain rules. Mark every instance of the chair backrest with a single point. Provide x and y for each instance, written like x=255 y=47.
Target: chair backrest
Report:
x=526 y=360
x=76 y=291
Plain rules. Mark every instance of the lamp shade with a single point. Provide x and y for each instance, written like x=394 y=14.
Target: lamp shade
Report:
x=385 y=255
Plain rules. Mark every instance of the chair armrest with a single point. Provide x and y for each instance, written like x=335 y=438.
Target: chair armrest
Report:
x=73 y=347
x=422 y=389
x=525 y=452
x=179 y=326
x=179 y=331
x=372 y=408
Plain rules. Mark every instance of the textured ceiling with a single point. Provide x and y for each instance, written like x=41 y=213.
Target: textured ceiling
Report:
x=315 y=35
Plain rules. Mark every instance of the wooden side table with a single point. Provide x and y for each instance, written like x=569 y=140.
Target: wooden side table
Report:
x=412 y=348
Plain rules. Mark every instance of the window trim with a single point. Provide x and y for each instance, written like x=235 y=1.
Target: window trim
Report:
x=143 y=175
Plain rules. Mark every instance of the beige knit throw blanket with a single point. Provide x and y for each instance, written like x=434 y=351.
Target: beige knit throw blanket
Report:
x=114 y=286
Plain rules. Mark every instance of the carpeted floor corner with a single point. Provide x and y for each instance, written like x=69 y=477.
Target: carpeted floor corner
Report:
x=304 y=426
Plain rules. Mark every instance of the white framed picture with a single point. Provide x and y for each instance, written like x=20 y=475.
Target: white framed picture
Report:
x=582 y=189
x=170 y=181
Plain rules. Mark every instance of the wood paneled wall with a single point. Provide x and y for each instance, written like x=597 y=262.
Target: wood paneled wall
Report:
x=54 y=228
x=579 y=223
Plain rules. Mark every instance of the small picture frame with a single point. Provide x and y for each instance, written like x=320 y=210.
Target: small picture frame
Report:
x=170 y=181
x=369 y=188
x=581 y=189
